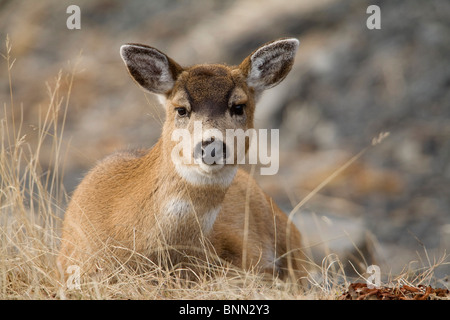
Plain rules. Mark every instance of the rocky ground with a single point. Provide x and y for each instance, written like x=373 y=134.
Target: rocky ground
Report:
x=360 y=291
x=348 y=85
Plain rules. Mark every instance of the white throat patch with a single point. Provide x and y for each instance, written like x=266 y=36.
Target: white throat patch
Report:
x=177 y=209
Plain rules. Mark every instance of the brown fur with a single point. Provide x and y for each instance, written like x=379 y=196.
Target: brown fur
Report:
x=119 y=209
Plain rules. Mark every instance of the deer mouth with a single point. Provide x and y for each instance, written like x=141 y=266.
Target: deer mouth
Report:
x=203 y=174
x=210 y=169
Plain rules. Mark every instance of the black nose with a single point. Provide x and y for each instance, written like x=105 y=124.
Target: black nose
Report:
x=211 y=151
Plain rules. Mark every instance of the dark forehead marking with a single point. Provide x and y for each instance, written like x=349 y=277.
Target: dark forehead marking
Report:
x=209 y=86
x=209 y=70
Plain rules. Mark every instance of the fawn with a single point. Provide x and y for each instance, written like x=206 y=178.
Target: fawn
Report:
x=135 y=203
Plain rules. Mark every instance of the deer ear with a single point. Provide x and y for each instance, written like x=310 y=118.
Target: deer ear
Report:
x=268 y=65
x=150 y=68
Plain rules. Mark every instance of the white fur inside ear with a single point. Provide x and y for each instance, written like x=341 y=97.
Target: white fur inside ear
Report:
x=269 y=60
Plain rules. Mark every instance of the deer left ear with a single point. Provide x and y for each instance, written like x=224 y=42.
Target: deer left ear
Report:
x=150 y=68
x=269 y=64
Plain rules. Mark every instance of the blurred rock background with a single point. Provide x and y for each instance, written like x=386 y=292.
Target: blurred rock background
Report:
x=348 y=85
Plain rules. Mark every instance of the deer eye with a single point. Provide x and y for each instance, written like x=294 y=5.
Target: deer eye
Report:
x=237 y=109
x=182 y=112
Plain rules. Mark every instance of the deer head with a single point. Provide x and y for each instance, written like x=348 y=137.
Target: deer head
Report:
x=212 y=97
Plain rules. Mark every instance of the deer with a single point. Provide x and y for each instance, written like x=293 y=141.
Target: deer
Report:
x=137 y=202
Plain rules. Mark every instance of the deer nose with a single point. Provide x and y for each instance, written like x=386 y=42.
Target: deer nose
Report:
x=211 y=151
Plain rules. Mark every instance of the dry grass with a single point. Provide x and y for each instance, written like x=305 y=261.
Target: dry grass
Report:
x=31 y=202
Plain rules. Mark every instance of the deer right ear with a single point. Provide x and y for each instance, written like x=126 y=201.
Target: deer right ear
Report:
x=150 y=68
x=269 y=64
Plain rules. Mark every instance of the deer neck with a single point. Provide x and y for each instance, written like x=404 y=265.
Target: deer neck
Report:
x=187 y=201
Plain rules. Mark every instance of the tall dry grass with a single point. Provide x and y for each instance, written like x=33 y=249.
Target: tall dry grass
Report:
x=32 y=201
x=29 y=196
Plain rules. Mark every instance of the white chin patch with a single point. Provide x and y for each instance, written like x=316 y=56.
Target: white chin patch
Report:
x=221 y=175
